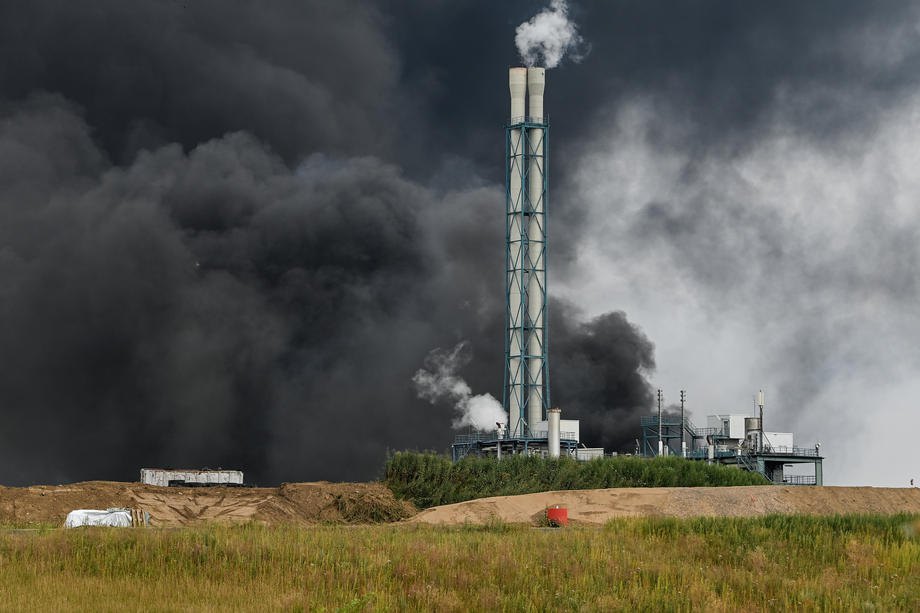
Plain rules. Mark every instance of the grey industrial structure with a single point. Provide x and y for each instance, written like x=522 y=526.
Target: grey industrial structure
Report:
x=733 y=440
x=533 y=426
x=167 y=477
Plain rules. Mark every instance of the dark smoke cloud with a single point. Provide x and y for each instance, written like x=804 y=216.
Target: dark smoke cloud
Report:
x=230 y=233
x=188 y=307
x=302 y=76
x=725 y=67
x=598 y=375
x=220 y=307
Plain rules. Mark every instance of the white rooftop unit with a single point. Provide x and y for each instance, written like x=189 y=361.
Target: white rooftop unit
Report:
x=778 y=442
x=731 y=425
x=182 y=477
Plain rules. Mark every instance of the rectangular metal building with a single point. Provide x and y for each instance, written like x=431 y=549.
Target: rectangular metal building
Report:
x=183 y=477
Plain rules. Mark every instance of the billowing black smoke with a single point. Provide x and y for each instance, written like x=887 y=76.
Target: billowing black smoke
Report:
x=206 y=262
x=300 y=75
x=598 y=375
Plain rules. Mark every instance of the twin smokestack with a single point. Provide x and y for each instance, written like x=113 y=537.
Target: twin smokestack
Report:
x=522 y=81
x=526 y=375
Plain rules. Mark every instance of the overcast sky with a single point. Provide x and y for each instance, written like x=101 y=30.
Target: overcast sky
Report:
x=230 y=232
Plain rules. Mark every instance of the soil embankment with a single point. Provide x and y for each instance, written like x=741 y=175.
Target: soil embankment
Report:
x=363 y=503
x=306 y=503
x=599 y=506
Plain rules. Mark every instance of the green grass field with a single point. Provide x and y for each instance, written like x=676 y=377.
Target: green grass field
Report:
x=764 y=564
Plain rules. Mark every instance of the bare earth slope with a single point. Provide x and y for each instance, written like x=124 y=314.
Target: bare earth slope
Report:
x=306 y=503
x=599 y=506
x=311 y=503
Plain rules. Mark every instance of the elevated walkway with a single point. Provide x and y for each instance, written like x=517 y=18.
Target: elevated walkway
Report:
x=489 y=444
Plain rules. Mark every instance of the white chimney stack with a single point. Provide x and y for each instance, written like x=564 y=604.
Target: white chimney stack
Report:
x=553 y=434
x=536 y=83
x=526 y=377
x=536 y=237
x=517 y=83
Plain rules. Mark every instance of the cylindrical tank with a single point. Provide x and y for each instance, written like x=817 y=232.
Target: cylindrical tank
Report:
x=553 y=433
x=536 y=241
x=557 y=516
x=517 y=84
x=751 y=424
x=752 y=432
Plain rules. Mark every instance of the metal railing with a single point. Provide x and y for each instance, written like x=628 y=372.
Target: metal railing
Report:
x=808 y=452
x=538 y=121
x=671 y=421
x=463 y=439
x=565 y=436
x=797 y=480
x=478 y=437
x=804 y=452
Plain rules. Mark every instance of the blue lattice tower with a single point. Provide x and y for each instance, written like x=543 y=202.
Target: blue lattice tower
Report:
x=526 y=389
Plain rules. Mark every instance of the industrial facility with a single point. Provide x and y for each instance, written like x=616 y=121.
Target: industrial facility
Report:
x=731 y=439
x=534 y=427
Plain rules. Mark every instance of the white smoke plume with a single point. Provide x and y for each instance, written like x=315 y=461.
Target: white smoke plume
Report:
x=438 y=382
x=548 y=36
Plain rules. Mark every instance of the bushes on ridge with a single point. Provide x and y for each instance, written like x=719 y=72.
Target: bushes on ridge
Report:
x=429 y=479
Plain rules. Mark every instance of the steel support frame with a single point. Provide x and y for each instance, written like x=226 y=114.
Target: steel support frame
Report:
x=525 y=259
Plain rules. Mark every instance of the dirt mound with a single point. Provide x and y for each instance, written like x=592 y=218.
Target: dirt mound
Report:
x=599 y=506
x=306 y=503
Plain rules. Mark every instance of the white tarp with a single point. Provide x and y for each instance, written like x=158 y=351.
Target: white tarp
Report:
x=117 y=518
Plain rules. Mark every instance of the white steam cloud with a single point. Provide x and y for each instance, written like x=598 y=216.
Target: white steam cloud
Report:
x=548 y=36
x=438 y=382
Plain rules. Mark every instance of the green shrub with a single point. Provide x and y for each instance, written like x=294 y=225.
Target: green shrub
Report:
x=429 y=479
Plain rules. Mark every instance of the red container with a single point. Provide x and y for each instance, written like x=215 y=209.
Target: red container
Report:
x=557 y=516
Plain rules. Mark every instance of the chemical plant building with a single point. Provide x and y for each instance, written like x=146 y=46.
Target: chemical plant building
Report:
x=534 y=427
x=733 y=440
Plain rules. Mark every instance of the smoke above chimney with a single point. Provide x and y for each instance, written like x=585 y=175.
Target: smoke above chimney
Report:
x=548 y=36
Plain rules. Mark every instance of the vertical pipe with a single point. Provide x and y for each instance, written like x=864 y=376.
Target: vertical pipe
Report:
x=536 y=298
x=517 y=84
x=683 y=444
x=553 y=434
x=660 y=440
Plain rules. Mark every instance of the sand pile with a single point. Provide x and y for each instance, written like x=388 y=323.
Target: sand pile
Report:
x=599 y=506
x=306 y=503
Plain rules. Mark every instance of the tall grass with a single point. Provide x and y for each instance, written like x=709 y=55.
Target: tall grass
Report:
x=751 y=564
x=429 y=479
